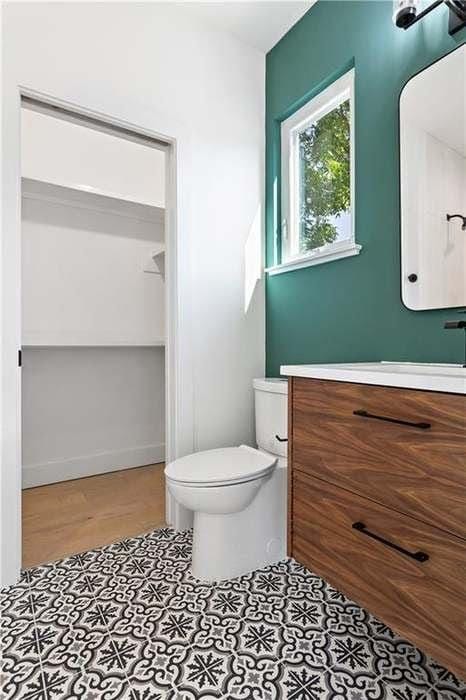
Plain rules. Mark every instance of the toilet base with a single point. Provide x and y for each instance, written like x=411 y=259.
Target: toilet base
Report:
x=227 y=546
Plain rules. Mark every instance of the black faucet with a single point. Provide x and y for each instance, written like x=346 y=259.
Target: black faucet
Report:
x=458 y=325
x=458 y=216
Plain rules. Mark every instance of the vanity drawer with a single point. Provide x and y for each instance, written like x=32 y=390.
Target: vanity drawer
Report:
x=387 y=452
x=423 y=601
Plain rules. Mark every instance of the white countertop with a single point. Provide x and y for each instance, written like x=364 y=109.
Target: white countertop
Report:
x=410 y=375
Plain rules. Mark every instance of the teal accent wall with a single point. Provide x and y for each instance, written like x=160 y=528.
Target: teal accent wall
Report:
x=351 y=310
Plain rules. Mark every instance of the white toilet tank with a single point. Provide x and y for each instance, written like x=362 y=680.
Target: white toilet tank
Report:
x=271 y=408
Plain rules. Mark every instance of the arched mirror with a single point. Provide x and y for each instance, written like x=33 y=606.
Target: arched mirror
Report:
x=433 y=185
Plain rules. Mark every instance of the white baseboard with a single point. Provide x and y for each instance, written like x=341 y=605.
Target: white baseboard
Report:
x=89 y=465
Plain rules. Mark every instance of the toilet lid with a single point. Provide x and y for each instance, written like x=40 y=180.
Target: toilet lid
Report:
x=228 y=465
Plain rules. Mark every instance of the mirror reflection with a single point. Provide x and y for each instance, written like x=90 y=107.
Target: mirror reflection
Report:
x=433 y=185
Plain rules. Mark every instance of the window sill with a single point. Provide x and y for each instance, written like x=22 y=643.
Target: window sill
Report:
x=315 y=259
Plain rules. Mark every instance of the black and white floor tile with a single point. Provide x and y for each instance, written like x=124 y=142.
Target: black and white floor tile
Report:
x=130 y=621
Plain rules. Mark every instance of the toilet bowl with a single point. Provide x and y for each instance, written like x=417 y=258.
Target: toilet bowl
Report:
x=237 y=495
x=219 y=481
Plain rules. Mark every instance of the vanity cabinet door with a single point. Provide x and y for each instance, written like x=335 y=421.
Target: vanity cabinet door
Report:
x=424 y=601
x=403 y=448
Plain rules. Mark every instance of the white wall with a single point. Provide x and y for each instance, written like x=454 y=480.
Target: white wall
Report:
x=70 y=154
x=91 y=410
x=154 y=66
x=83 y=260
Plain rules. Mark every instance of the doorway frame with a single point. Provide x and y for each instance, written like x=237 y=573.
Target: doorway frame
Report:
x=179 y=414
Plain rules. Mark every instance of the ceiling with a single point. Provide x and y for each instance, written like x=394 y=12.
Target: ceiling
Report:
x=435 y=100
x=259 y=23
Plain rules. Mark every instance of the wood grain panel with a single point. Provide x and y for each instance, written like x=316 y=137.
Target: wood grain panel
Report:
x=424 y=602
x=419 y=472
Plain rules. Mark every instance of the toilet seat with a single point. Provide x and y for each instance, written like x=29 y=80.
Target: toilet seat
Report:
x=221 y=467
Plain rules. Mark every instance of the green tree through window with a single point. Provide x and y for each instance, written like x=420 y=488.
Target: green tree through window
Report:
x=324 y=152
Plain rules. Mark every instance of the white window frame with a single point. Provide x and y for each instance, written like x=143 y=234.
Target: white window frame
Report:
x=339 y=91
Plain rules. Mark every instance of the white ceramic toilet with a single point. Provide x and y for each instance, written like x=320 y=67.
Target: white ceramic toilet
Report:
x=238 y=494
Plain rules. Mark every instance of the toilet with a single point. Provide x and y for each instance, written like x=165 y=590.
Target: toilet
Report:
x=238 y=494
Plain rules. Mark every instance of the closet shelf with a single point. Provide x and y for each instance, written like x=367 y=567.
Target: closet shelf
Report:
x=84 y=198
x=156 y=344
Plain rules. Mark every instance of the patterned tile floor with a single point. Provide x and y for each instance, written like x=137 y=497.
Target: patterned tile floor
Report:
x=129 y=621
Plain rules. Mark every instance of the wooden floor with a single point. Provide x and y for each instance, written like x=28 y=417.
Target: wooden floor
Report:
x=73 y=516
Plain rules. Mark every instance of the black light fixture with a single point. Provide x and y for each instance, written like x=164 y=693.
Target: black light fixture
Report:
x=406 y=13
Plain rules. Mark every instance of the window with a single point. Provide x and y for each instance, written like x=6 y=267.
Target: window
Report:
x=318 y=179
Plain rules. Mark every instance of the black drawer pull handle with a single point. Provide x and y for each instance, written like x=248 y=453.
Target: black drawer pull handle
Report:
x=418 y=556
x=280 y=439
x=365 y=414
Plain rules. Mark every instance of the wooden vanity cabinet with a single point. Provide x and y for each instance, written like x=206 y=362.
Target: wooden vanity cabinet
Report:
x=377 y=504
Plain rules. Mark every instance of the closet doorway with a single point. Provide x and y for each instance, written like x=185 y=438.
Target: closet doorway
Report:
x=93 y=344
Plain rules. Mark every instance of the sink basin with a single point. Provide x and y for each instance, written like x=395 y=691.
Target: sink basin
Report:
x=412 y=375
x=408 y=368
